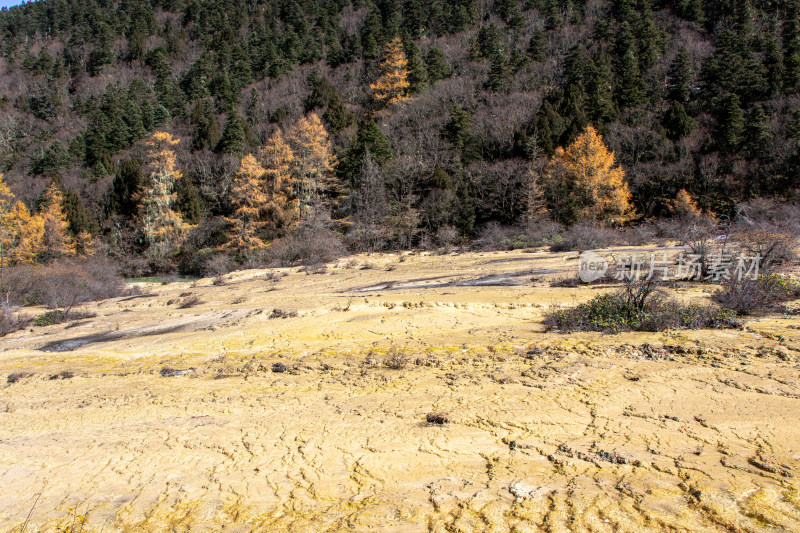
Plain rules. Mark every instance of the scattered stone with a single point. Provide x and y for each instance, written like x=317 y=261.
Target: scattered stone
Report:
x=282 y=313
x=167 y=372
x=523 y=491
x=279 y=368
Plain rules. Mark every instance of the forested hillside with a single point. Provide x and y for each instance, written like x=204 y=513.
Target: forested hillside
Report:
x=180 y=130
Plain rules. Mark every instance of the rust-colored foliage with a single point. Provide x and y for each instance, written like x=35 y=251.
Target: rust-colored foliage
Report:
x=392 y=85
x=57 y=241
x=162 y=227
x=583 y=179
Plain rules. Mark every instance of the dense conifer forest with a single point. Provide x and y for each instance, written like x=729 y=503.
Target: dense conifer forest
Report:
x=189 y=133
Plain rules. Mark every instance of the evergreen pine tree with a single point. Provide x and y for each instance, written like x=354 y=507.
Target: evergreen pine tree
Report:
x=207 y=132
x=417 y=72
x=369 y=138
x=125 y=187
x=234 y=139
x=680 y=78
x=731 y=122
x=537 y=47
x=677 y=122
x=79 y=219
x=499 y=74
x=436 y=65
x=189 y=202
x=337 y=116
x=600 y=93
x=757 y=132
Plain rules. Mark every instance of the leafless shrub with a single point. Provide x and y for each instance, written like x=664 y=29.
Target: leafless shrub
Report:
x=189 y=302
x=350 y=263
x=312 y=243
x=134 y=267
x=771 y=248
x=10 y=319
x=576 y=281
x=746 y=295
x=396 y=359
x=218 y=265
x=769 y=214
x=446 y=236
x=497 y=237
x=587 y=236
x=705 y=238
x=314 y=269
x=63 y=285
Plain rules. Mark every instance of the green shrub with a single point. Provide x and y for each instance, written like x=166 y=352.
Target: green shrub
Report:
x=49 y=318
x=611 y=312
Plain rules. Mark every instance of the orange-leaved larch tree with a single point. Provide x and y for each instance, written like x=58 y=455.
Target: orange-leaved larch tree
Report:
x=684 y=206
x=57 y=241
x=392 y=85
x=313 y=161
x=27 y=234
x=249 y=197
x=583 y=182
x=162 y=227
x=20 y=232
x=282 y=209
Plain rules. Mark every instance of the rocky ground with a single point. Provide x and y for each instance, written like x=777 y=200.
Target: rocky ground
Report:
x=298 y=399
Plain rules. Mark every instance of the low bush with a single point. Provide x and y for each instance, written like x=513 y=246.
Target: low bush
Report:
x=396 y=359
x=610 y=312
x=746 y=296
x=11 y=321
x=497 y=237
x=438 y=419
x=586 y=236
x=770 y=246
x=312 y=243
x=62 y=286
x=49 y=318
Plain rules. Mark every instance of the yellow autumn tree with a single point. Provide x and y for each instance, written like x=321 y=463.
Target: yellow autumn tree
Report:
x=26 y=235
x=20 y=232
x=282 y=209
x=313 y=161
x=684 y=206
x=6 y=234
x=249 y=197
x=392 y=85
x=162 y=227
x=57 y=241
x=583 y=182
